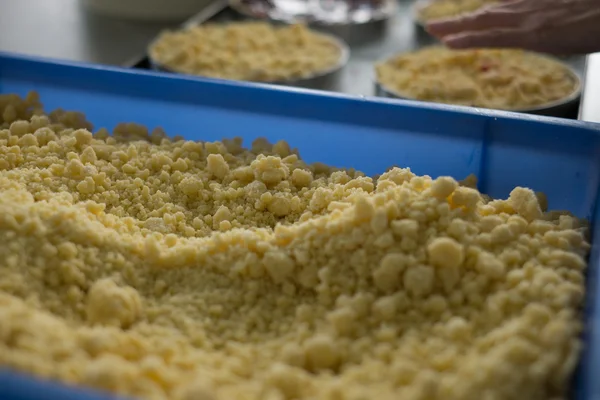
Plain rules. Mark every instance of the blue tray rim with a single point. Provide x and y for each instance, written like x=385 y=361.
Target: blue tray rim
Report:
x=304 y=92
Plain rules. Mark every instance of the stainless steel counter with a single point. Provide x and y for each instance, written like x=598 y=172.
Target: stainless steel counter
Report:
x=64 y=29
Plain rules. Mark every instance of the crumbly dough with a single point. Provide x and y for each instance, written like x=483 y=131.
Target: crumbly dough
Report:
x=505 y=79
x=439 y=9
x=250 y=51
x=169 y=269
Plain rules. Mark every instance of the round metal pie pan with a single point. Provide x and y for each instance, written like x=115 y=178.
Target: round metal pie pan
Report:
x=557 y=108
x=318 y=80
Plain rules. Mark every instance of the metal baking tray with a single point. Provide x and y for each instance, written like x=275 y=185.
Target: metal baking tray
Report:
x=369 y=43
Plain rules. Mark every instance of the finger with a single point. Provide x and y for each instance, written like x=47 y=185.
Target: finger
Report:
x=490 y=38
x=530 y=6
x=488 y=17
x=545 y=32
x=584 y=17
x=542 y=40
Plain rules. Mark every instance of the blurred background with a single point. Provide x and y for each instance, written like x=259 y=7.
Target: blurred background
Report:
x=117 y=32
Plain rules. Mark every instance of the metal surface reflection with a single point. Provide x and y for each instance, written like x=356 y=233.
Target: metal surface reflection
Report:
x=327 y=12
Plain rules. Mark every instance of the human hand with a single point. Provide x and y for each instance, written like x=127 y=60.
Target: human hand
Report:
x=549 y=26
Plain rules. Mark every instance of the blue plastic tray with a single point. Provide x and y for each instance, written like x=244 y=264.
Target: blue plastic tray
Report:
x=558 y=157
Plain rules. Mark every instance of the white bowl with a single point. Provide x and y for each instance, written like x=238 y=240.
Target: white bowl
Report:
x=147 y=10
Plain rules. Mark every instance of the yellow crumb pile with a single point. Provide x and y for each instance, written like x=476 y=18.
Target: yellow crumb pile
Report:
x=505 y=79
x=172 y=269
x=251 y=51
x=439 y=9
